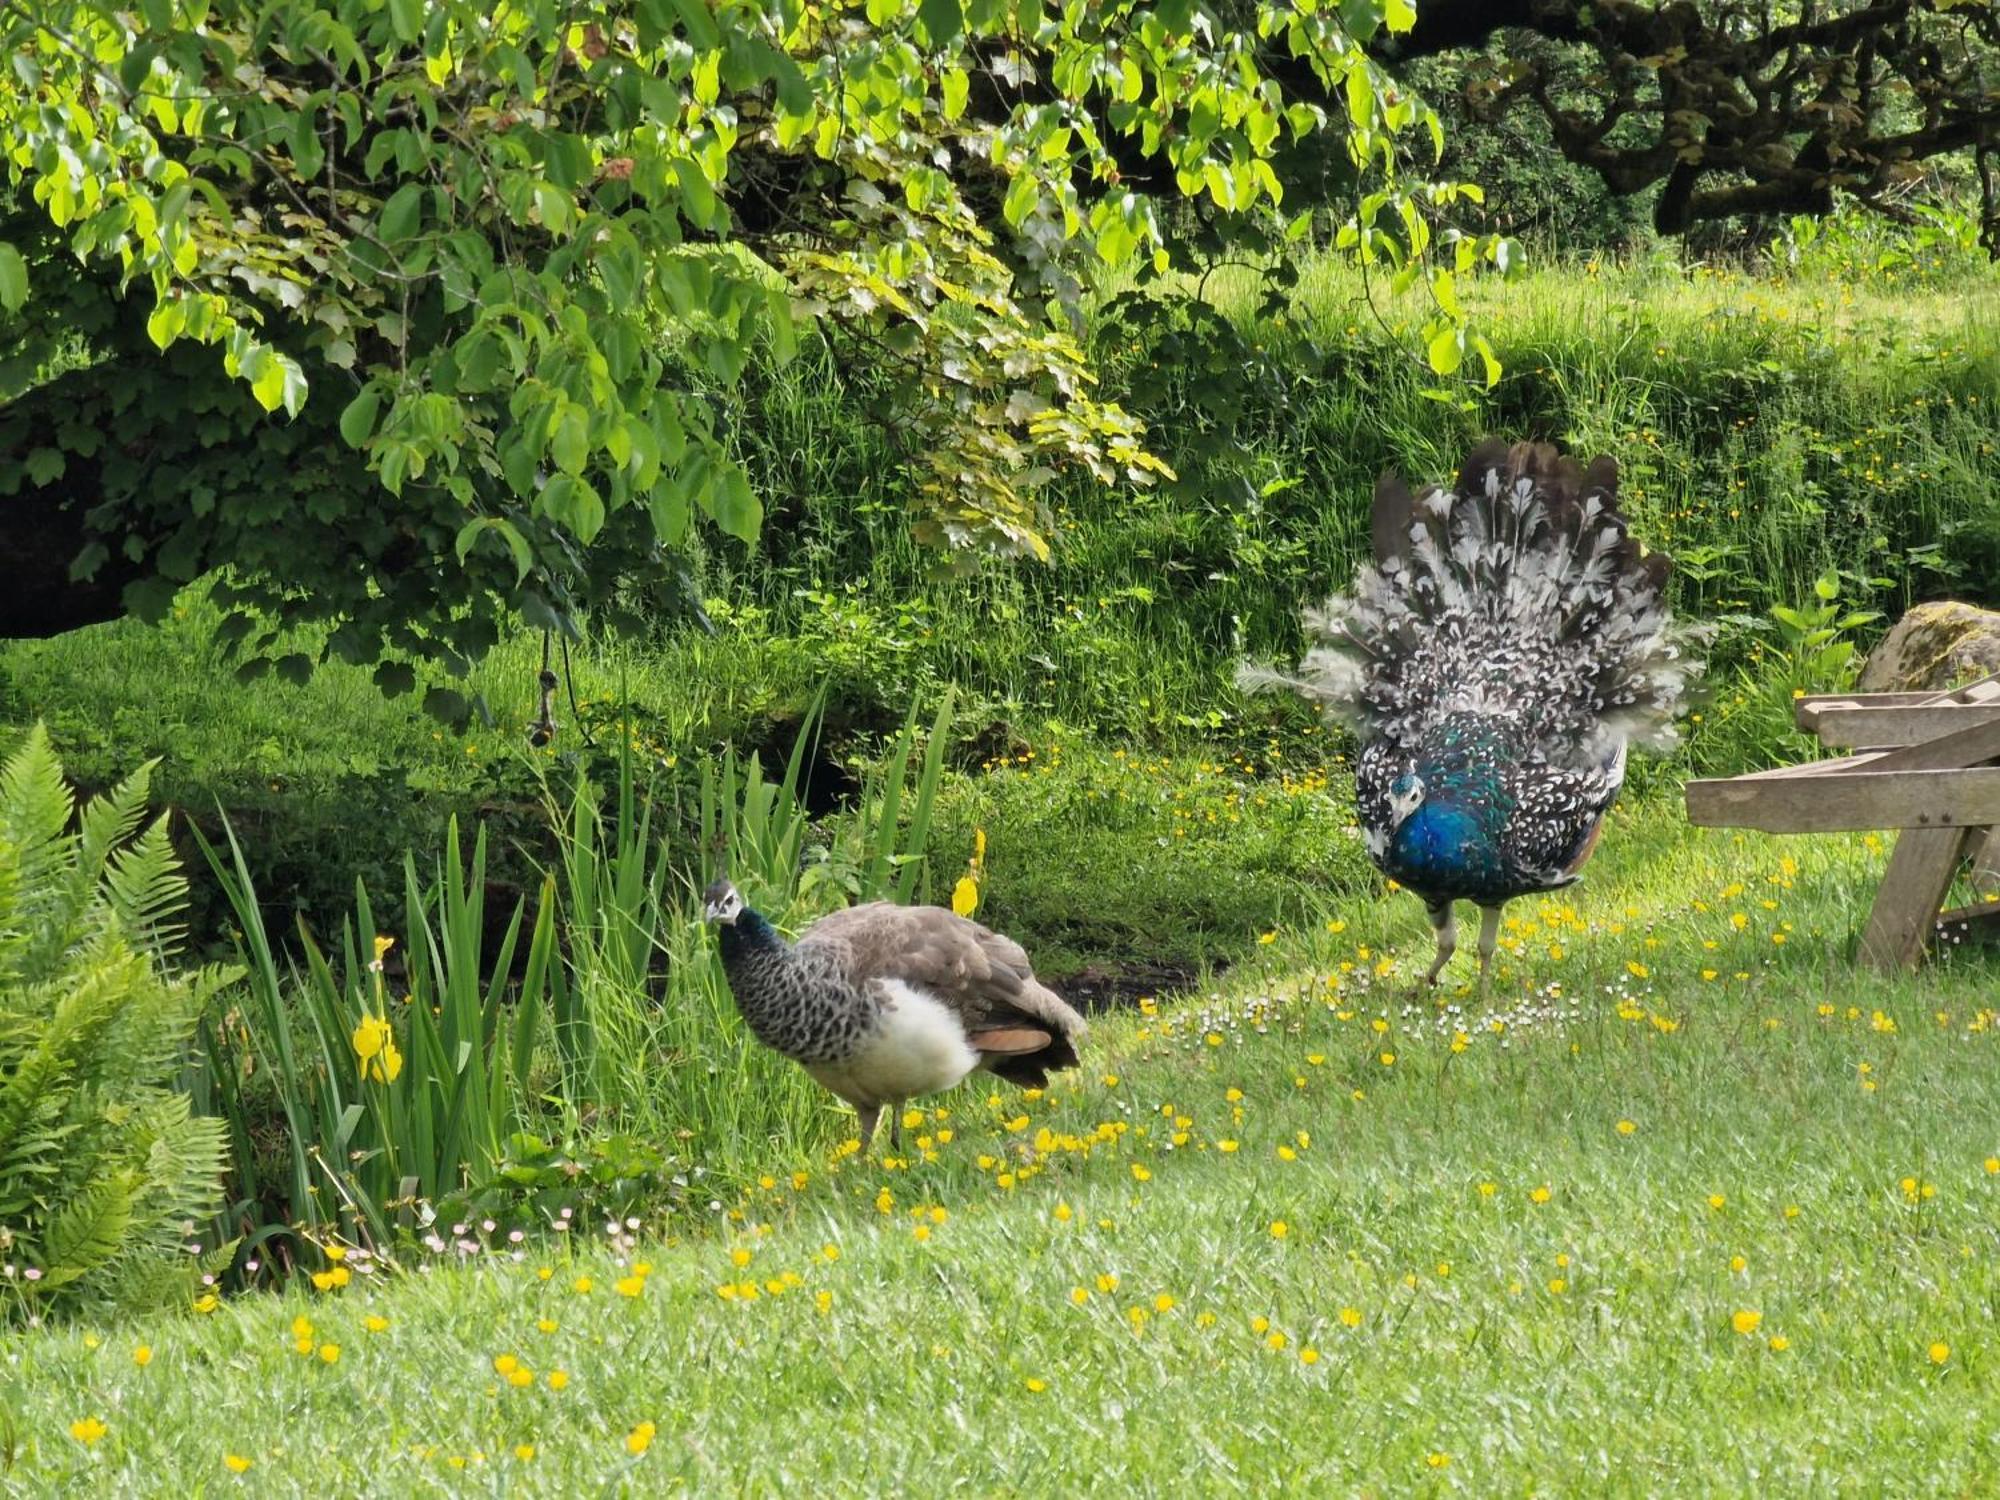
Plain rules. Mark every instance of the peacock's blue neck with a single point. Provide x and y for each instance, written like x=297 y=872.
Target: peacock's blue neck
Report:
x=1446 y=846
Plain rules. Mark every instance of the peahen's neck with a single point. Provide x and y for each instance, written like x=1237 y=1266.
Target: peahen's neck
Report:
x=801 y=1008
x=751 y=936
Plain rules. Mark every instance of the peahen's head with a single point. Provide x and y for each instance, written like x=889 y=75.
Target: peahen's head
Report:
x=1406 y=795
x=722 y=902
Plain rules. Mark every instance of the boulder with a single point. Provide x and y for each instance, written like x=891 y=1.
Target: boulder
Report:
x=1933 y=647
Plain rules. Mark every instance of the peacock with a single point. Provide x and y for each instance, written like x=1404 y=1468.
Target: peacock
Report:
x=1507 y=647
x=883 y=1003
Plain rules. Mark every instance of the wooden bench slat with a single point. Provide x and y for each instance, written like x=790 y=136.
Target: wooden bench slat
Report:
x=1840 y=725
x=1849 y=801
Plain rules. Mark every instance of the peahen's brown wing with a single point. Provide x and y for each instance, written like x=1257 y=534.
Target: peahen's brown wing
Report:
x=1023 y=1027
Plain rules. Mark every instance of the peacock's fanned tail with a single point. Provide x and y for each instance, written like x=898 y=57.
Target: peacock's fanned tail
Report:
x=1518 y=592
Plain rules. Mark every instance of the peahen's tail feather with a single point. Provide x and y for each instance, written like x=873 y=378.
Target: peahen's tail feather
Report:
x=1518 y=591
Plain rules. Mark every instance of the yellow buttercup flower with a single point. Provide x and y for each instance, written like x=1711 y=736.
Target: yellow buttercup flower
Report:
x=88 y=1430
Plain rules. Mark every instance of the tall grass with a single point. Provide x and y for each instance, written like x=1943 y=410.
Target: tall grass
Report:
x=358 y=1098
x=381 y=1101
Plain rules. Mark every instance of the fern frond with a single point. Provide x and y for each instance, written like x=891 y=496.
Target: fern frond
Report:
x=35 y=808
x=103 y=1164
x=85 y=1233
x=31 y=1103
x=183 y=1172
x=146 y=888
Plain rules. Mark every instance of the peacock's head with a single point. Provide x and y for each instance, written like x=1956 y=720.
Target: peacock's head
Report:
x=1406 y=795
x=722 y=902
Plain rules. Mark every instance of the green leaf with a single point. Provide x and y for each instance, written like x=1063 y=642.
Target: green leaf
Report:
x=401 y=213
x=470 y=533
x=737 y=508
x=571 y=503
x=957 y=85
x=395 y=678
x=291 y=383
x=165 y=322
x=357 y=421
x=406 y=19
x=698 y=23
x=571 y=445
x=942 y=20
x=307 y=153
x=1360 y=96
x=13 y=278
x=697 y=196
x=1399 y=15
x=1447 y=351
x=446 y=706
x=1489 y=359
x=266 y=376
x=784 y=337
x=45 y=465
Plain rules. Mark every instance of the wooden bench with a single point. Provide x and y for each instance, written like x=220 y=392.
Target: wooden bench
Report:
x=1927 y=764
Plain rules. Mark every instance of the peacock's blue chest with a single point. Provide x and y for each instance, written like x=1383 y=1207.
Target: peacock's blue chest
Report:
x=1451 y=847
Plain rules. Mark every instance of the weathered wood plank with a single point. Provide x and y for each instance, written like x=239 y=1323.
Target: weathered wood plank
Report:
x=1906 y=907
x=1805 y=710
x=1814 y=767
x=1965 y=747
x=1843 y=726
x=1849 y=800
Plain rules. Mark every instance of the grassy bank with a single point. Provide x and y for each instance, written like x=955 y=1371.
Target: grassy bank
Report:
x=1770 y=431
x=1693 y=1205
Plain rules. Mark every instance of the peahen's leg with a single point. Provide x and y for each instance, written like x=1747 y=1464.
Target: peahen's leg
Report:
x=896 y=1126
x=867 y=1114
x=1489 y=939
x=1445 y=925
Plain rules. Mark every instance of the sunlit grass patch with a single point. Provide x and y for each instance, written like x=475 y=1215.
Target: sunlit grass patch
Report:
x=1549 y=1243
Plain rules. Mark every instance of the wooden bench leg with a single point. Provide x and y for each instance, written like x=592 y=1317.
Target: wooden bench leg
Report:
x=1913 y=888
x=1986 y=863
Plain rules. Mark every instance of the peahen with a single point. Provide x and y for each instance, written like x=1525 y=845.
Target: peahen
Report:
x=1508 y=645
x=883 y=1003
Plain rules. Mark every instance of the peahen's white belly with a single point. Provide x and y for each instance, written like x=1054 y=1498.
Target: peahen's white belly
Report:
x=920 y=1048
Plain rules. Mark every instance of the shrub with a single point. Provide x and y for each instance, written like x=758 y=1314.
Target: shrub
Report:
x=104 y=1170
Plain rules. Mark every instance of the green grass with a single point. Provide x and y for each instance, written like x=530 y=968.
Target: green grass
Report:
x=1776 y=1116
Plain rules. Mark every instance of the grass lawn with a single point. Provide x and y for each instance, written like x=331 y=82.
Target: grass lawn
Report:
x=1683 y=1209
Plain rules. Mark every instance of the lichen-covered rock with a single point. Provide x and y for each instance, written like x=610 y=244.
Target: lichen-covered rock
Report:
x=1934 y=646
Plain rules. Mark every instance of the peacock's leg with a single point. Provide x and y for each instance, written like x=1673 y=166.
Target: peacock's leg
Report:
x=1489 y=939
x=867 y=1115
x=896 y=1126
x=1445 y=925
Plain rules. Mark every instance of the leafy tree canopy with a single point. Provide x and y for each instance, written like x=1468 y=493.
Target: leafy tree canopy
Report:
x=414 y=312
x=1734 y=108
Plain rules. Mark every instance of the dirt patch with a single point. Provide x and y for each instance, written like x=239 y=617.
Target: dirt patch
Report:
x=1115 y=986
